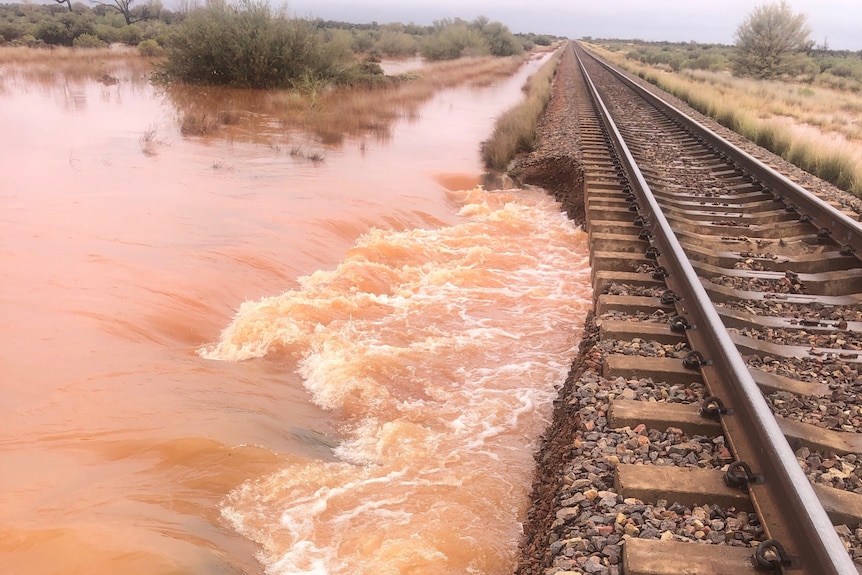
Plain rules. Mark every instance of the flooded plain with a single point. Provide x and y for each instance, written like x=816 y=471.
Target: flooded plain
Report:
x=242 y=334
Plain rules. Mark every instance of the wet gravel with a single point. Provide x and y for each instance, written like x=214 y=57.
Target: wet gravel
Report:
x=813 y=311
x=589 y=521
x=838 y=340
x=633 y=290
x=789 y=284
x=839 y=376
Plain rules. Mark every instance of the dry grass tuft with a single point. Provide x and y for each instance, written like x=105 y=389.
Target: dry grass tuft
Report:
x=299 y=151
x=148 y=141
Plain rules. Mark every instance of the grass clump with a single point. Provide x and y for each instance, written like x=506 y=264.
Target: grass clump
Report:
x=194 y=123
x=515 y=130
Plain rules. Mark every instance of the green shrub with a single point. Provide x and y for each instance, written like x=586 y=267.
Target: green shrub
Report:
x=501 y=42
x=362 y=41
x=131 y=35
x=27 y=40
x=455 y=41
x=54 y=33
x=105 y=33
x=248 y=45
x=150 y=49
x=88 y=41
x=393 y=43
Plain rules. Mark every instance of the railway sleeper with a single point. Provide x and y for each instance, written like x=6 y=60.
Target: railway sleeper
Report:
x=756 y=203
x=719 y=293
x=739 y=319
x=695 y=486
x=777 y=230
x=618 y=261
x=615 y=214
x=747 y=219
x=688 y=417
x=662 y=333
x=750 y=346
x=815 y=262
x=829 y=283
x=602 y=280
x=732 y=318
x=783 y=245
x=672 y=371
x=737 y=193
x=618 y=242
x=645 y=557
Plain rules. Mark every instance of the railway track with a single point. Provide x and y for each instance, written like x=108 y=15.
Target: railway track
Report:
x=717 y=414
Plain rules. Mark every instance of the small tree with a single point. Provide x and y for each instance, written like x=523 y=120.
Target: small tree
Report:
x=148 y=11
x=501 y=42
x=770 y=41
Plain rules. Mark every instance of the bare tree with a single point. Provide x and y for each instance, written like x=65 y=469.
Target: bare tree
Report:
x=66 y=2
x=149 y=10
x=770 y=40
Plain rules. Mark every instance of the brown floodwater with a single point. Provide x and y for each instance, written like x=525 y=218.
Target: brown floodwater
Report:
x=260 y=350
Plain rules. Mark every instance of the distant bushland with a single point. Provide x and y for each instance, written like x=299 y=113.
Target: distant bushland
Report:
x=248 y=43
x=35 y=25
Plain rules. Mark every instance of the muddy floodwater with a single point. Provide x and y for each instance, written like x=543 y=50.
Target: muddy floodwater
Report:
x=253 y=348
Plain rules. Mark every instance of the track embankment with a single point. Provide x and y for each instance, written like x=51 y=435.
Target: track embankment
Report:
x=579 y=518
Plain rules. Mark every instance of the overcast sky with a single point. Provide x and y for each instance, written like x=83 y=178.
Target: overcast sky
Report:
x=836 y=22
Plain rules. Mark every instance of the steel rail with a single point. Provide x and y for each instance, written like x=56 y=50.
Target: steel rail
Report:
x=781 y=493
x=844 y=230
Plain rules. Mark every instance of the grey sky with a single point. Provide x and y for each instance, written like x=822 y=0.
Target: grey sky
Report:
x=837 y=22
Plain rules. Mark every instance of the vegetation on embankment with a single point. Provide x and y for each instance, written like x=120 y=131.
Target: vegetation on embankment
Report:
x=515 y=130
x=809 y=121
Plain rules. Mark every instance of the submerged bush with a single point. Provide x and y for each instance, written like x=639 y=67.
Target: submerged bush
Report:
x=150 y=49
x=248 y=45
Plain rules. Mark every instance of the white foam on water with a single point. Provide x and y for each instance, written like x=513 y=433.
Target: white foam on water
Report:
x=439 y=352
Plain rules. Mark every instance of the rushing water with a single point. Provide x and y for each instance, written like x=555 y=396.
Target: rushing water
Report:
x=220 y=357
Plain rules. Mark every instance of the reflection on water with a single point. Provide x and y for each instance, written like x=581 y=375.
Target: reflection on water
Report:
x=390 y=309
x=276 y=117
